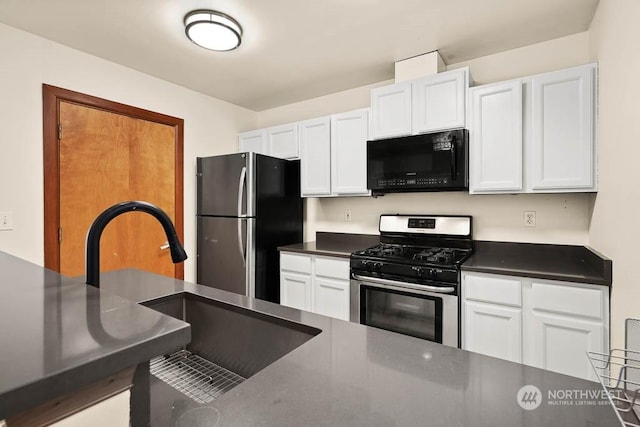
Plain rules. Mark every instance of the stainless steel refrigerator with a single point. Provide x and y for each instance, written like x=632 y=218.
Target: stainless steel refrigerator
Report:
x=248 y=205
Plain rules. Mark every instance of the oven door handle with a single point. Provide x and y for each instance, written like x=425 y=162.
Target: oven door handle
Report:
x=435 y=289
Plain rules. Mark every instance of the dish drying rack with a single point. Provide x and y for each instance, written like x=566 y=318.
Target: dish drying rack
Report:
x=619 y=374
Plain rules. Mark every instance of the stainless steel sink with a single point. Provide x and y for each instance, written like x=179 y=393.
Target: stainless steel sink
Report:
x=228 y=345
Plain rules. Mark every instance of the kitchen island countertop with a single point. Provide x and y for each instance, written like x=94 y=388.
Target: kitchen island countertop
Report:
x=354 y=375
x=59 y=335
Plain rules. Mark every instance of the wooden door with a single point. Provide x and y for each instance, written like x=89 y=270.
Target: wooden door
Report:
x=104 y=157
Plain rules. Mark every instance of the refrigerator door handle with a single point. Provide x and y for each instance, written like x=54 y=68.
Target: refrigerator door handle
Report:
x=241 y=186
x=243 y=251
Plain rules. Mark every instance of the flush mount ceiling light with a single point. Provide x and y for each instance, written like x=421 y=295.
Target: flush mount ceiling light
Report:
x=213 y=30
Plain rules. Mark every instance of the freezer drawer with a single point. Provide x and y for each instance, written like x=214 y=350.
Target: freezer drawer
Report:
x=224 y=256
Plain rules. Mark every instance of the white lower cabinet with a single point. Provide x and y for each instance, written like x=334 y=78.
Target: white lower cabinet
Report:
x=331 y=297
x=315 y=283
x=543 y=323
x=494 y=330
x=560 y=343
x=295 y=290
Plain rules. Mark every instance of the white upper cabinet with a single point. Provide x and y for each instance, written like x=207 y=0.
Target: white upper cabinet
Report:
x=428 y=104
x=315 y=157
x=535 y=134
x=562 y=130
x=495 y=130
x=438 y=101
x=349 y=134
x=391 y=110
x=283 y=141
x=255 y=140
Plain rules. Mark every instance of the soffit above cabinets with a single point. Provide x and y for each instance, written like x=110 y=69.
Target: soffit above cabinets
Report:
x=294 y=50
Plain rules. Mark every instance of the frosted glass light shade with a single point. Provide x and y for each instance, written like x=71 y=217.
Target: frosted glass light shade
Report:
x=213 y=30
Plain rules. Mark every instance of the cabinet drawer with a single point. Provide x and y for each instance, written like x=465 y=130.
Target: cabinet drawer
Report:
x=337 y=268
x=294 y=262
x=493 y=289
x=573 y=300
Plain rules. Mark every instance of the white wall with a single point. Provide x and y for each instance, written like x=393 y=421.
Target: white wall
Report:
x=28 y=61
x=615 y=229
x=560 y=218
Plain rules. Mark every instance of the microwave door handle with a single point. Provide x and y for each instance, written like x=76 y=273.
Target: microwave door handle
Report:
x=454 y=160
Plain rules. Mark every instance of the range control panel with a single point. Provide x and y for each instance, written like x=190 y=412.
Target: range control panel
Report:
x=422 y=223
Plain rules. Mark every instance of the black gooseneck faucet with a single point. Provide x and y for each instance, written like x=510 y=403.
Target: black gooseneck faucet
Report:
x=178 y=253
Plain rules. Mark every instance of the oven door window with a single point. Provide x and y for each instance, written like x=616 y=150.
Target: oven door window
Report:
x=406 y=313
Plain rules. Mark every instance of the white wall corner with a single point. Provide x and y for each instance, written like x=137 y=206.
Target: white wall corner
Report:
x=418 y=66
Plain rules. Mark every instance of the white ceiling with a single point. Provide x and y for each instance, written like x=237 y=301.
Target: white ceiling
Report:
x=294 y=49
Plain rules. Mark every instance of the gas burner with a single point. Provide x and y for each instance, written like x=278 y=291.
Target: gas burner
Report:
x=383 y=250
x=440 y=255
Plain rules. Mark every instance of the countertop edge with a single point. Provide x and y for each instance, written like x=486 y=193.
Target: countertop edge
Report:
x=62 y=383
x=314 y=252
x=537 y=275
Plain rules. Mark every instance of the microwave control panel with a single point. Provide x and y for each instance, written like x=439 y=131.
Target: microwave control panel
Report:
x=401 y=182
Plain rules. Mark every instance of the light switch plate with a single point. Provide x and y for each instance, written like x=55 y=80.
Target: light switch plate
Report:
x=6 y=220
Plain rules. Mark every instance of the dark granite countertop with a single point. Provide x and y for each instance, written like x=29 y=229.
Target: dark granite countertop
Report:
x=354 y=375
x=577 y=264
x=334 y=244
x=57 y=336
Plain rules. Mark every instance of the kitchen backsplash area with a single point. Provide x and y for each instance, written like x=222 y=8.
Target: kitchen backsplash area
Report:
x=559 y=218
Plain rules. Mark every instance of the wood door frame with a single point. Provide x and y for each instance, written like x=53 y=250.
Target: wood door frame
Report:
x=51 y=98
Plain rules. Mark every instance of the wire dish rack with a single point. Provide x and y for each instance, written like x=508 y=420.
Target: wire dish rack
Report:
x=619 y=374
x=194 y=376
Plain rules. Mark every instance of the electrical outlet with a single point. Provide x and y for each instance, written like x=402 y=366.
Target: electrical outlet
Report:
x=6 y=220
x=529 y=218
x=347 y=215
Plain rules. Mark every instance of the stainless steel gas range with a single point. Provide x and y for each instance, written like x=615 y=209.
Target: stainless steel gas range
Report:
x=410 y=282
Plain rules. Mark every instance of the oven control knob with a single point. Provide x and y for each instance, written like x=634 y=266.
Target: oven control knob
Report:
x=377 y=266
x=432 y=272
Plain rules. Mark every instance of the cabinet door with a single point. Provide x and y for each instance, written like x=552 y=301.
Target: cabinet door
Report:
x=560 y=343
x=495 y=148
x=562 y=130
x=295 y=290
x=349 y=134
x=391 y=111
x=438 y=101
x=493 y=330
x=255 y=141
x=331 y=297
x=315 y=157
x=283 y=141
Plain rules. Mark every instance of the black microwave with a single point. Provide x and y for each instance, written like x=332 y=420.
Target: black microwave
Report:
x=426 y=162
